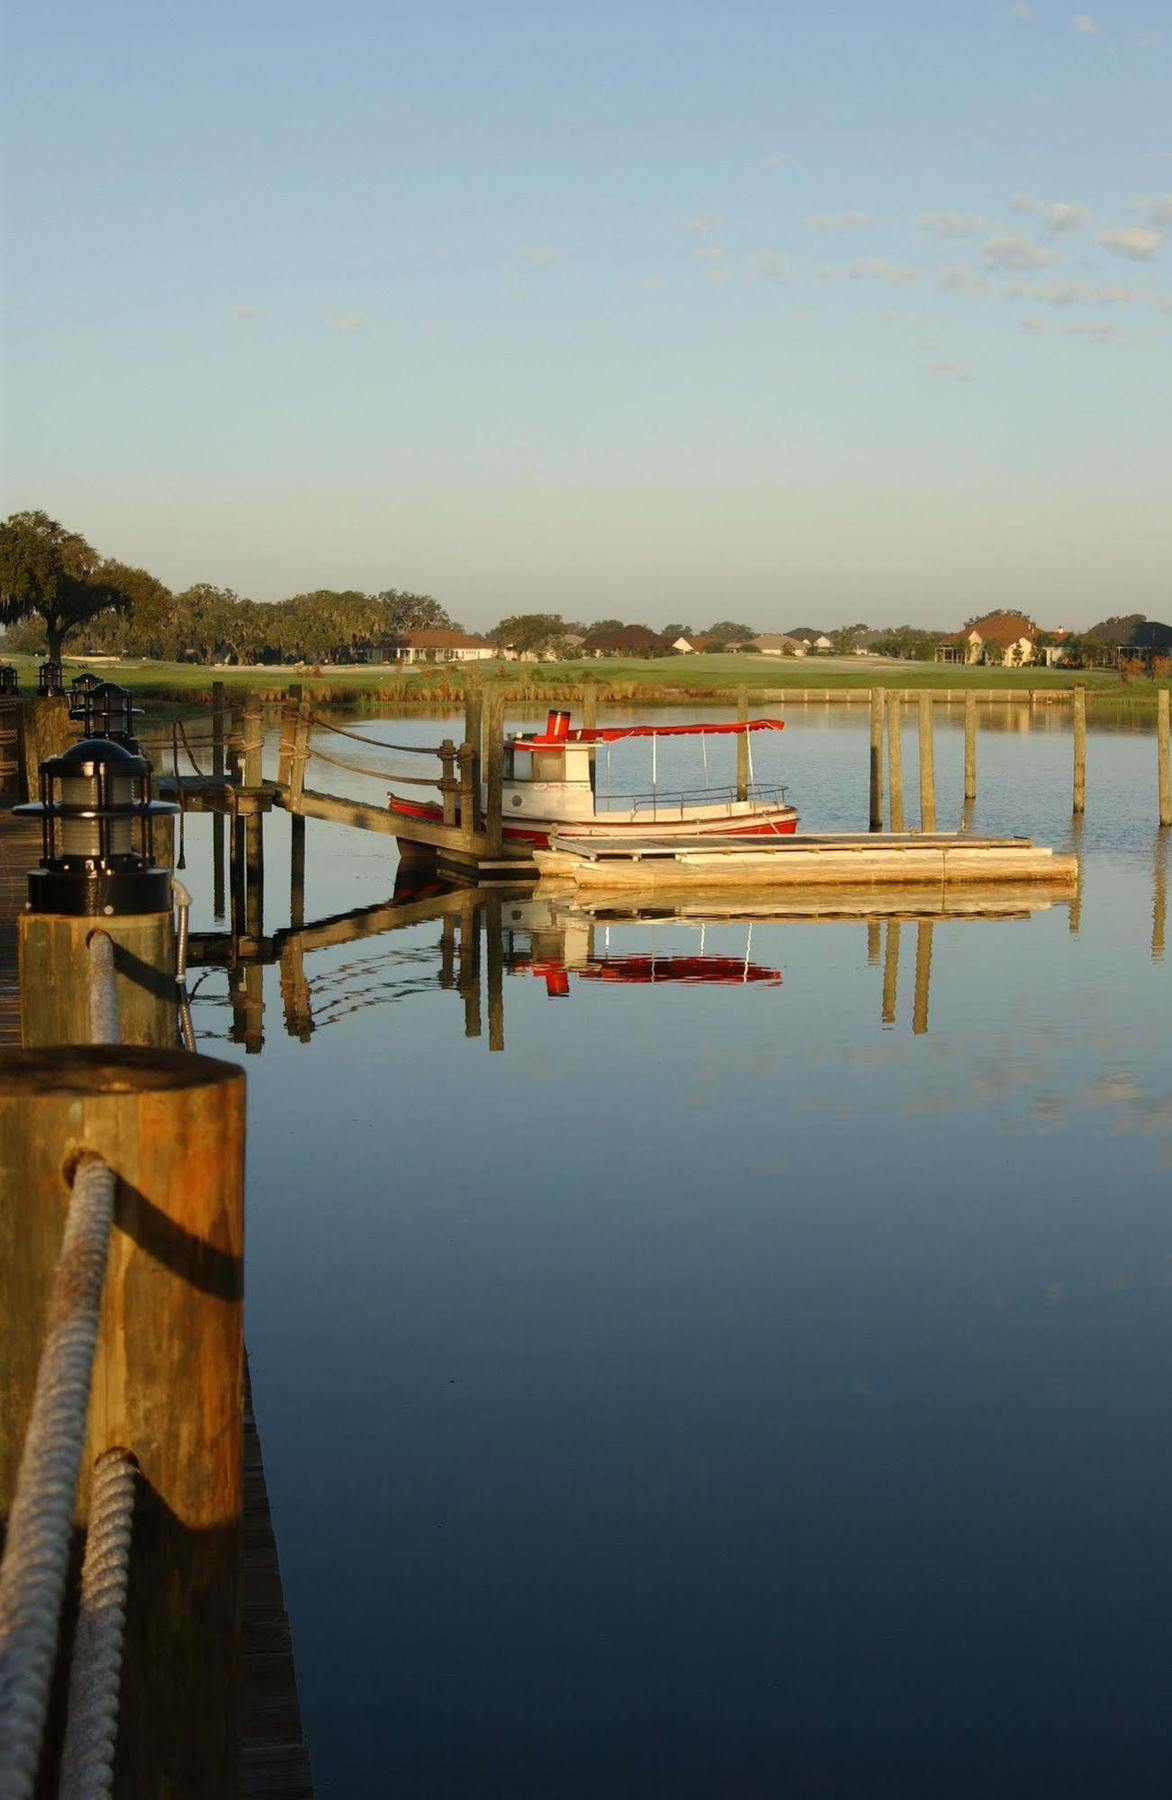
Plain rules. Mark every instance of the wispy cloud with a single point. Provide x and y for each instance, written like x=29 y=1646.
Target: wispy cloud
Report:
x=539 y=256
x=247 y=312
x=1139 y=242
x=1095 y=331
x=1075 y=293
x=837 y=221
x=1155 y=209
x=951 y=224
x=765 y=266
x=948 y=371
x=1015 y=253
x=347 y=322
x=704 y=224
x=873 y=268
x=959 y=280
x=1058 y=215
x=1082 y=22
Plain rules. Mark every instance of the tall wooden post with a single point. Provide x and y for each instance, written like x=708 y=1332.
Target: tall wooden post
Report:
x=590 y=708
x=895 y=761
x=55 y=978
x=449 y=783
x=923 y=976
x=168 y=1374
x=927 y=766
x=875 y=783
x=742 y=744
x=891 y=972
x=495 y=958
x=218 y=817
x=1165 y=771
x=474 y=734
x=970 y=747
x=1080 y=748
x=254 y=842
x=466 y=759
x=45 y=730
x=290 y=714
x=494 y=764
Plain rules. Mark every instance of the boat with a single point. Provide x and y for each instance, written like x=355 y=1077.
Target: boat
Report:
x=550 y=785
x=862 y=859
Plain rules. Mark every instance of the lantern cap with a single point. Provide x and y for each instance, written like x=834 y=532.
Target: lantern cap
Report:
x=84 y=757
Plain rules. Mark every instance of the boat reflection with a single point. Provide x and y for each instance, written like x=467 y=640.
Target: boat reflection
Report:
x=597 y=939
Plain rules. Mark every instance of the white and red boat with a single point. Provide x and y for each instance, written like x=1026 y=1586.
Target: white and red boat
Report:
x=550 y=784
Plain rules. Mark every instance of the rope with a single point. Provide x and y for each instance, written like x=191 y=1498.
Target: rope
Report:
x=378 y=774
x=104 y=1023
x=36 y=1558
x=87 y=1762
x=378 y=744
x=187 y=747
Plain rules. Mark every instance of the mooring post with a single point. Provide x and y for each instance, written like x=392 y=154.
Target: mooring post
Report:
x=217 y=816
x=494 y=768
x=891 y=972
x=466 y=759
x=45 y=731
x=927 y=766
x=168 y=1373
x=923 y=976
x=970 y=747
x=1080 y=748
x=1165 y=771
x=449 y=782
x=494 y=942
x=895 y=761
x=589 y=708
x=473 y=735
x=254 y=854
x=236 y=742
x=875 y=784
x=742 y=744
x=55 y=977
x=290 y=714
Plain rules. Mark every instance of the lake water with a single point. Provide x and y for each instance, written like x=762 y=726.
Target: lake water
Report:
x=736 y=1386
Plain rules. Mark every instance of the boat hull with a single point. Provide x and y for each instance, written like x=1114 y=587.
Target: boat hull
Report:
x=704 y=821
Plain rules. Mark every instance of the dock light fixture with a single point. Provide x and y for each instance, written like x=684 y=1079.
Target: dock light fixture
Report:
x=81 y=684
x=9 y=679
x=97 y=820
x=105 y=711
x=50 y=680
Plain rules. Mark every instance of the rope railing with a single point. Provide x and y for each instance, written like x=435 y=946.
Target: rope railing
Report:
x=376 y=743
x=91 y=1726
x=104 y=1023
x=40 y=1525
x=337 y=762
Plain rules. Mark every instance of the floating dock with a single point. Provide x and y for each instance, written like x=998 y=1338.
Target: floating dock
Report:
x=868 y=859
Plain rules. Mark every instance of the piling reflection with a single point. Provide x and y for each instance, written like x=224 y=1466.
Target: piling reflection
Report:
x=595 y=938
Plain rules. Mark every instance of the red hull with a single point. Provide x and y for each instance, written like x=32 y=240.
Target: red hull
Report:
x=433 y=815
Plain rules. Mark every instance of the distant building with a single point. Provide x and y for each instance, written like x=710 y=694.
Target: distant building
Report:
x=776 y=643
x=1149 y=640
x=437 y=644
x=1007 y=640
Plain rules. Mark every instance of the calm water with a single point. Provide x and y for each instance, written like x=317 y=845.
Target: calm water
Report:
x=735 y=1387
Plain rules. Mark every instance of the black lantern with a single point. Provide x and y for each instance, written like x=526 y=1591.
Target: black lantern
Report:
x=50 y=680
x=97 y=816
x=9 y=679
x=81 y=684
x=106 y=712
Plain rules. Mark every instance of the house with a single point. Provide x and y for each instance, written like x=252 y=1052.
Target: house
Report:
x=1005 y=640
x=683 y=646
x=625 y=640
x=435 y=645
x=776 y=643
x=1149 y=640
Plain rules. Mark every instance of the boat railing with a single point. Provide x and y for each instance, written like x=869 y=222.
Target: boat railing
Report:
x=660 y=804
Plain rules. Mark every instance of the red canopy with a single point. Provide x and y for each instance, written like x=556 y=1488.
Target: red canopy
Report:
x=610 y=734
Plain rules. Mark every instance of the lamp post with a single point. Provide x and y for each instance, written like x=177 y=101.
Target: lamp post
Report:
x=97 y=819
x=9 y=679
x=106 y=711
x=50 y=680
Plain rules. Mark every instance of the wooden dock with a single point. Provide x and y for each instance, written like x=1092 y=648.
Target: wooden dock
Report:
x=274 y=1758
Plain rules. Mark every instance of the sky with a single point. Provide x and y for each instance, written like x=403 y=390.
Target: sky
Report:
x=789 y=313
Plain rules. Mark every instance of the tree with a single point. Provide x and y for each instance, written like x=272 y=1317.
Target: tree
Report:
x=1117 y=631
x=672 y=632
x=727 y=631
x=530 y=633
x=54 y=573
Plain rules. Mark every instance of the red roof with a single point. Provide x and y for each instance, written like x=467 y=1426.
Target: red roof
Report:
x=441 y=637
x=1004 y=628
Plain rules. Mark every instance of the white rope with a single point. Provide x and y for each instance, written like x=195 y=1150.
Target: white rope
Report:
x=104 y=1025
x=87 y=1763
x=36 y=1557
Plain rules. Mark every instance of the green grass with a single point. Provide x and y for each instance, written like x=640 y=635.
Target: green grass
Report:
x=665 y=680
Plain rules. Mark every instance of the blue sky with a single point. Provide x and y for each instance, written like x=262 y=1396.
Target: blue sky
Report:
x=797 y=314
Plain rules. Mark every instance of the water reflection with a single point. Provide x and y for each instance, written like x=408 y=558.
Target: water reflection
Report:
x=484 y=934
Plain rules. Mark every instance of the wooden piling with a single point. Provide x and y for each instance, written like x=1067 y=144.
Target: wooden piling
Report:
x=168 y=1375
x=474 y=735
x=875 y=785
x=742 y=744
x=494 y=760
x=296 y=869
x=1165 y=768
x=923 y=977
x=45 y=730
x=468 y=977
x=466 y=759
x=55 y=978
x=290 y=713
x=970 y=747
x=449 y=781
x=927 y=766
x=218 y=817
x=891 y=970
x=1080 y=748
x=254 y=857
x=894 y=763
x=590 y=708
